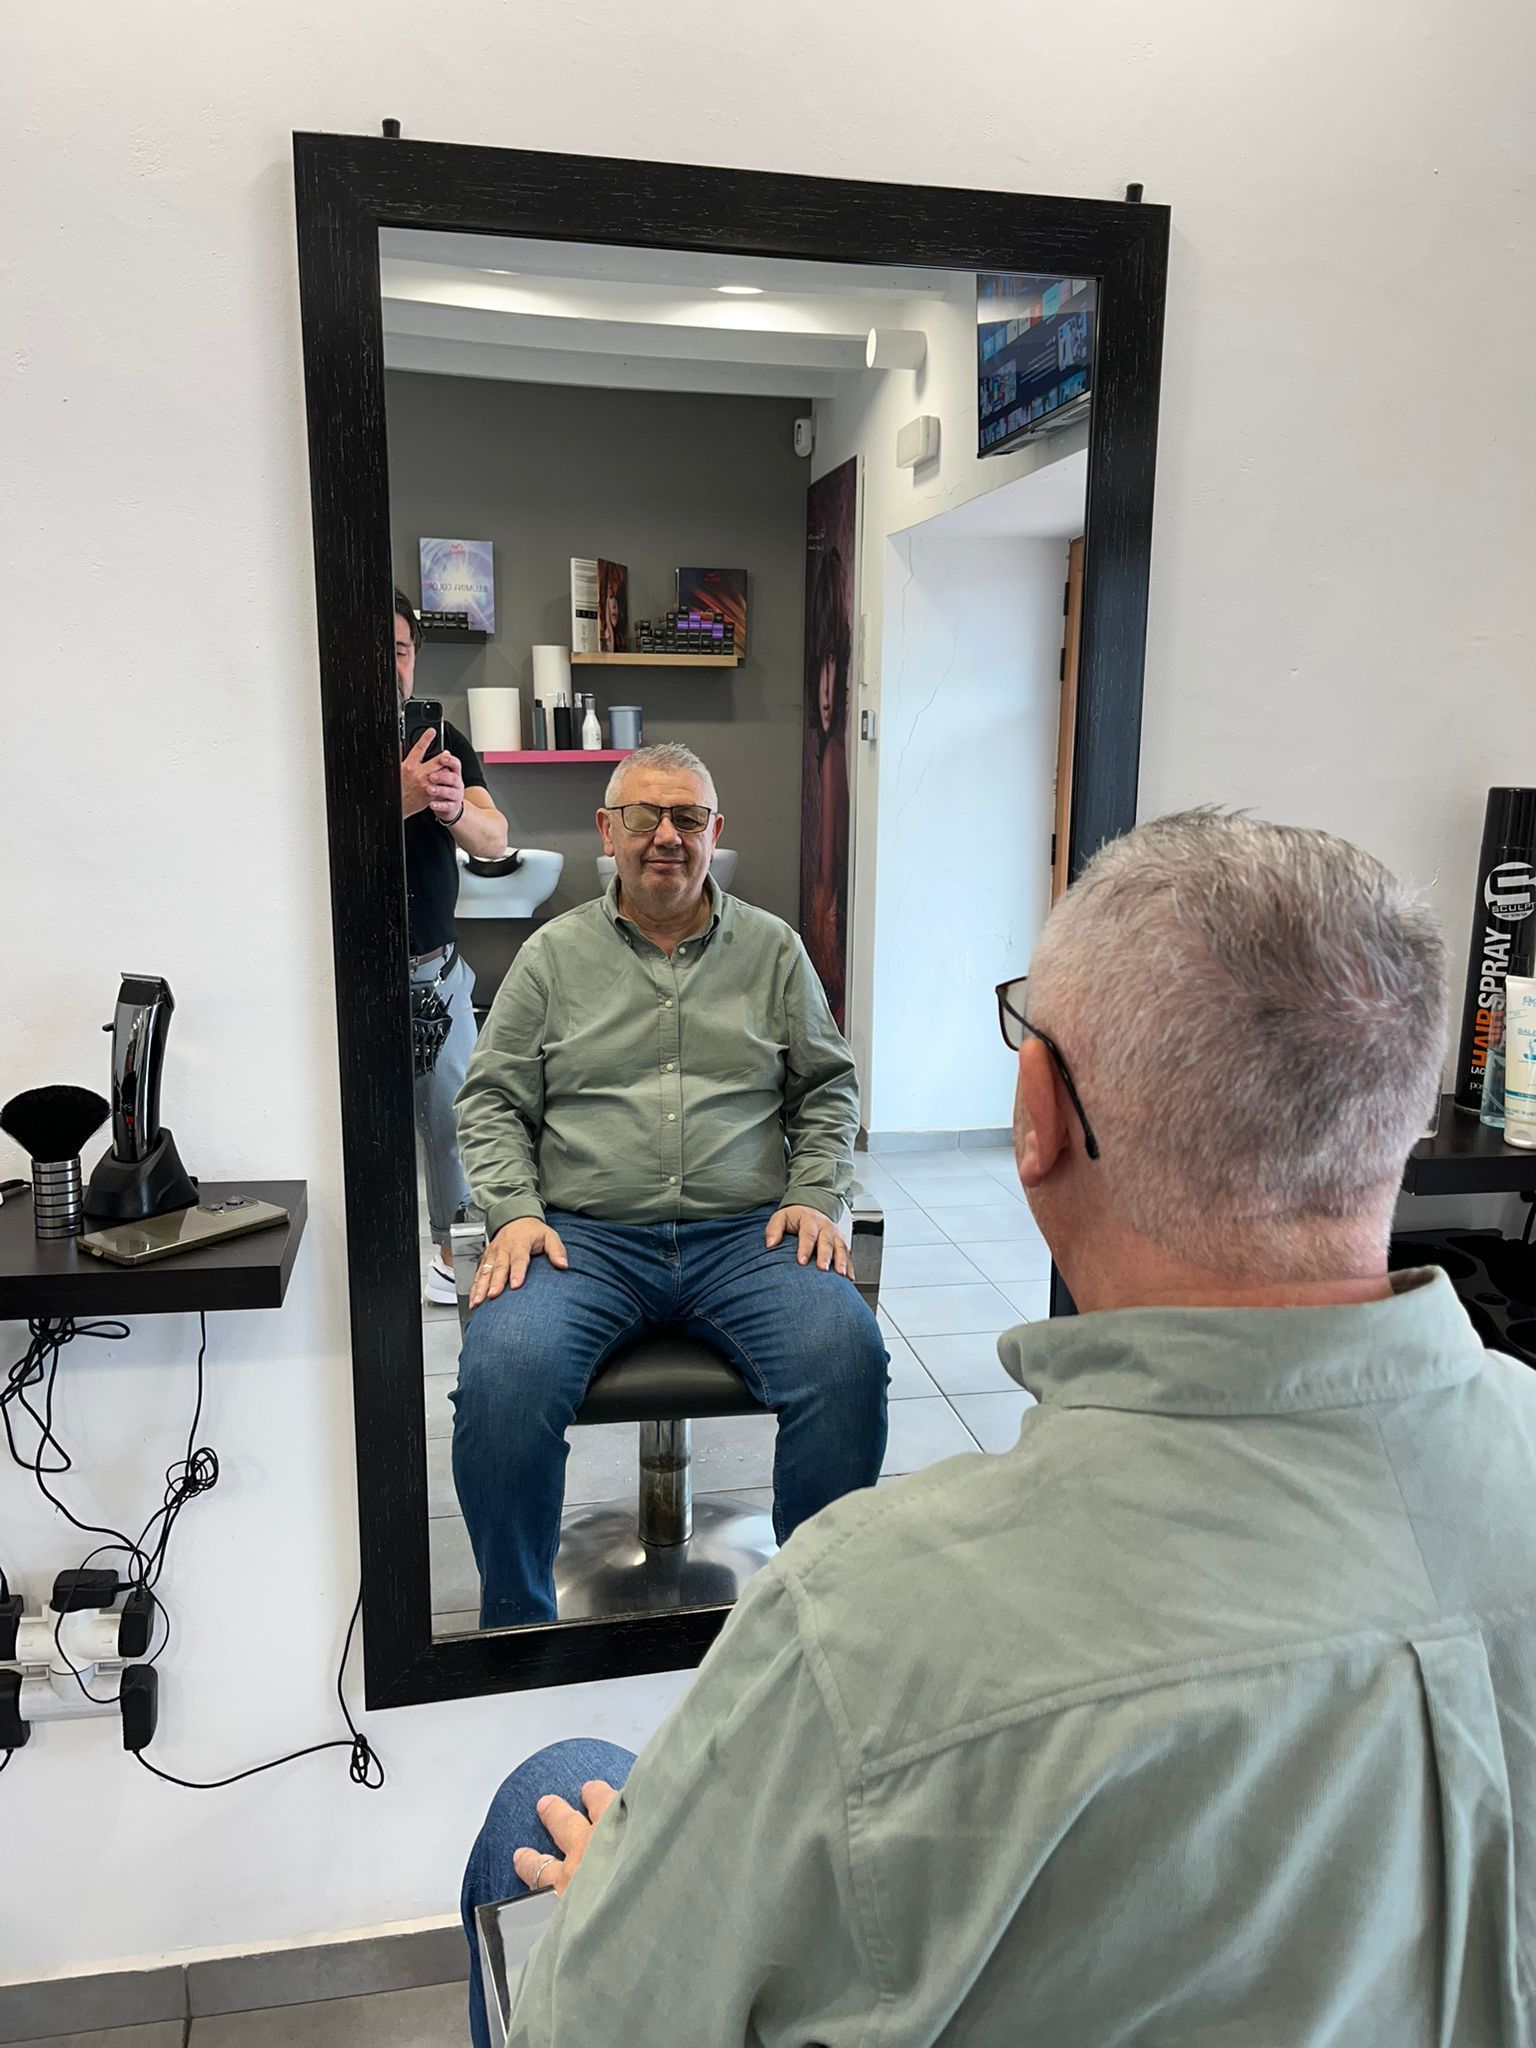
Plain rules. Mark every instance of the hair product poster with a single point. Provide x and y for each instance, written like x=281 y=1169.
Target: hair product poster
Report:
x=831 y=530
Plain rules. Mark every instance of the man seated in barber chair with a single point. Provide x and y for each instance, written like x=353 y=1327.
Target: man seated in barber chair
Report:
x=1207 y=1714
x=658 y=1121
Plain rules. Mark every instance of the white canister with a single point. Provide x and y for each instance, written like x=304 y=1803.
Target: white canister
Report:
x=551 y=675
x=496 y=720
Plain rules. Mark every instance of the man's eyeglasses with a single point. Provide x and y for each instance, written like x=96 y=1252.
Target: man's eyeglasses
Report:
x=1016 y=1027
x=641 y=820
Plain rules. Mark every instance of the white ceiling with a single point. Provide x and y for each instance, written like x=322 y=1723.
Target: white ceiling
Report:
x=598 y=315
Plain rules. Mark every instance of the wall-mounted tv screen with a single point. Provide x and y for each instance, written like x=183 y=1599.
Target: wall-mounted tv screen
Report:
x=1034 y=355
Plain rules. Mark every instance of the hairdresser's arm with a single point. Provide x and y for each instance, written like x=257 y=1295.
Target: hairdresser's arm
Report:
x=480 y=828
x=714 y=1903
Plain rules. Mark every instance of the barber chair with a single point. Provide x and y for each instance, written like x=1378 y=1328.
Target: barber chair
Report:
x=674 y=1550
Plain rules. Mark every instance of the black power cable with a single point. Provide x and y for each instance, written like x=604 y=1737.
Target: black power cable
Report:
x=195 y=1473
x=365 y=1768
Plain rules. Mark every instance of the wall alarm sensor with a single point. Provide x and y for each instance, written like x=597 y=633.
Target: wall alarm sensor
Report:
x=917 y=441
x=805 y=435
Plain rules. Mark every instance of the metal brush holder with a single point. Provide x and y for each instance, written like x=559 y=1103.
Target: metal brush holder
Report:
x=58 y=1198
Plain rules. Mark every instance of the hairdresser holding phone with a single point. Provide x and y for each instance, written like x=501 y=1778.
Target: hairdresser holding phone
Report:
x=445 y=805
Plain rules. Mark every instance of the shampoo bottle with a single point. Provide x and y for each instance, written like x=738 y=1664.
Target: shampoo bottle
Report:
x=591 y=729
x=565 y=723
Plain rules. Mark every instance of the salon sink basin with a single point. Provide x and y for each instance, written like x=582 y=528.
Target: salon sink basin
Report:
x=514 y=886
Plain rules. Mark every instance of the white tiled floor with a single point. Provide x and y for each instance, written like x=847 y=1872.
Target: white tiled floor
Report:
x=963 y=1262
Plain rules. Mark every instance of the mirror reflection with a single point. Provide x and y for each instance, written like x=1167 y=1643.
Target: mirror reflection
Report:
x=735 y=641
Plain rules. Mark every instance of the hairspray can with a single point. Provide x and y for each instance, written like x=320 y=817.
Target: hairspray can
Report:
x=1502 y=932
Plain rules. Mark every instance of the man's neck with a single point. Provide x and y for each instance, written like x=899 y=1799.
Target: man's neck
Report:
x=668 y=932
x=1135 y=1274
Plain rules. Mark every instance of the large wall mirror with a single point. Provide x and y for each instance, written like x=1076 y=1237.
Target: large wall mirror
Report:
x=843 y=492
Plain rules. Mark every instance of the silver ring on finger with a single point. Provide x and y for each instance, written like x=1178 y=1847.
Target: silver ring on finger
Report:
x=535 y=1883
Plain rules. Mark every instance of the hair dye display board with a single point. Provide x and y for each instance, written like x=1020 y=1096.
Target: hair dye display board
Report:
x=457 y=577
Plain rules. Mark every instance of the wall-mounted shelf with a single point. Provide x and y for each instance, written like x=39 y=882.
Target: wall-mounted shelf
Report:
x=657 y=660
x=53 y=1277
x=553 y=754
x=1465 y=1157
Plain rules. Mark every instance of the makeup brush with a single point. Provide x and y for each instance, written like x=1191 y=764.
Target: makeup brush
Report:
x=51 y=1125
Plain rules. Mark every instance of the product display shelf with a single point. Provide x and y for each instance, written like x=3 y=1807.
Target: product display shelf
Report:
x=657 y=660
x=53 y=1277
x=1465 y=1157
x=532 y=759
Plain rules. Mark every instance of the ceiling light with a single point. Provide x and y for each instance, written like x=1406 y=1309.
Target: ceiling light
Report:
x=492 y=271
x=741 y=291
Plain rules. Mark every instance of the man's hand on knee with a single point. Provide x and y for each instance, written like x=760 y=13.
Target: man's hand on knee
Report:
x=819 y=1238
x=505 y=1260
x=570 y=1831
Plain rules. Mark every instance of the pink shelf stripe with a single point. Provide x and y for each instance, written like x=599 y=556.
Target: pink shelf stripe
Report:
x=557 y=754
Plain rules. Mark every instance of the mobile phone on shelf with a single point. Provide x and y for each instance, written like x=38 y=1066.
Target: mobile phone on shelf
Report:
x=181 y=1230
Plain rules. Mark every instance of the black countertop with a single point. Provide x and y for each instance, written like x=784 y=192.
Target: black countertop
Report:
x=1465 y=1157
x=53 y=1277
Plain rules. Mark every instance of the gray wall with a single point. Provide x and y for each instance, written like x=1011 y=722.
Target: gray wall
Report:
x=652 y=479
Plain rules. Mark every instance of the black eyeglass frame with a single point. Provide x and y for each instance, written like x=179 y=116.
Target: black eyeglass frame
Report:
x=663 y=811
x=1005 y=1010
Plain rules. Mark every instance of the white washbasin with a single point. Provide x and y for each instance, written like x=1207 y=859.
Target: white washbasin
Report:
x=722 y=867
x=516 y=894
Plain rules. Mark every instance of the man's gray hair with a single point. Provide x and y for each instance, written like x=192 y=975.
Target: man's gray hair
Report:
x=665 y=754
x=1255 y=1016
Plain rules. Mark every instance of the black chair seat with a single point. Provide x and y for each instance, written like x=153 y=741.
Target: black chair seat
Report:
x=665 y=1379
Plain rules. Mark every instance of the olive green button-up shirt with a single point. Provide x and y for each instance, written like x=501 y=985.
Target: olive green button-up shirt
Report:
x=620 y=1083
x=1203 y=1718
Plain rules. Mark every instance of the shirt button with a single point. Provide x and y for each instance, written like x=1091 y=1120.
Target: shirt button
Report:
x=670 y=1064
x=668 y=1004
x=671 y=1180
x=671 y=1116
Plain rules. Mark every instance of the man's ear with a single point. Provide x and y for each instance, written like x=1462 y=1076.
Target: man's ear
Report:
x=1037 y=1109
x=604 y=832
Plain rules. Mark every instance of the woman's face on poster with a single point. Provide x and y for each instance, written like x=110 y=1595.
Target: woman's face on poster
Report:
x=826 y=692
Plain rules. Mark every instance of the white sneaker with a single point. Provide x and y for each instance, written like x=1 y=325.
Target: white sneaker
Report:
x=440 y=1284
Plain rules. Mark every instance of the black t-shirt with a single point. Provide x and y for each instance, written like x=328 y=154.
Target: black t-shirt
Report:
x=432 y=862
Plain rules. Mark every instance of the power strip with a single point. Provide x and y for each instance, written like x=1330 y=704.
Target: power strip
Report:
x=70 y=1662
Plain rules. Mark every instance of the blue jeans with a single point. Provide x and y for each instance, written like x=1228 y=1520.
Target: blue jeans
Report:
x=803 y=1341
x=513 y=1823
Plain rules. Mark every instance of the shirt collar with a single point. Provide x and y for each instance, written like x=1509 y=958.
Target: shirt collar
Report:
x=720 y=911
x=1256 y=1361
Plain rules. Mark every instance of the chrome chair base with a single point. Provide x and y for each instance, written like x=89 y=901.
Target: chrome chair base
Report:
x=602 y=1568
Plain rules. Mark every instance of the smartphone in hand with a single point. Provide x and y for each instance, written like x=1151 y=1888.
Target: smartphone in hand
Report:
x=418 y=715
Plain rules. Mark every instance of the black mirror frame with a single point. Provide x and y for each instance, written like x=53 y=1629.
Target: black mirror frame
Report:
x=347 y=188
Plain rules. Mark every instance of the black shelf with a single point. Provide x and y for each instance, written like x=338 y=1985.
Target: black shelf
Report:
x=1465 y=1157
x=53 y=1277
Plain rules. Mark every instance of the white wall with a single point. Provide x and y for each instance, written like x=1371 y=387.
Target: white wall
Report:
x=967 y=762
x=861 y=420
x=1342 y=617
